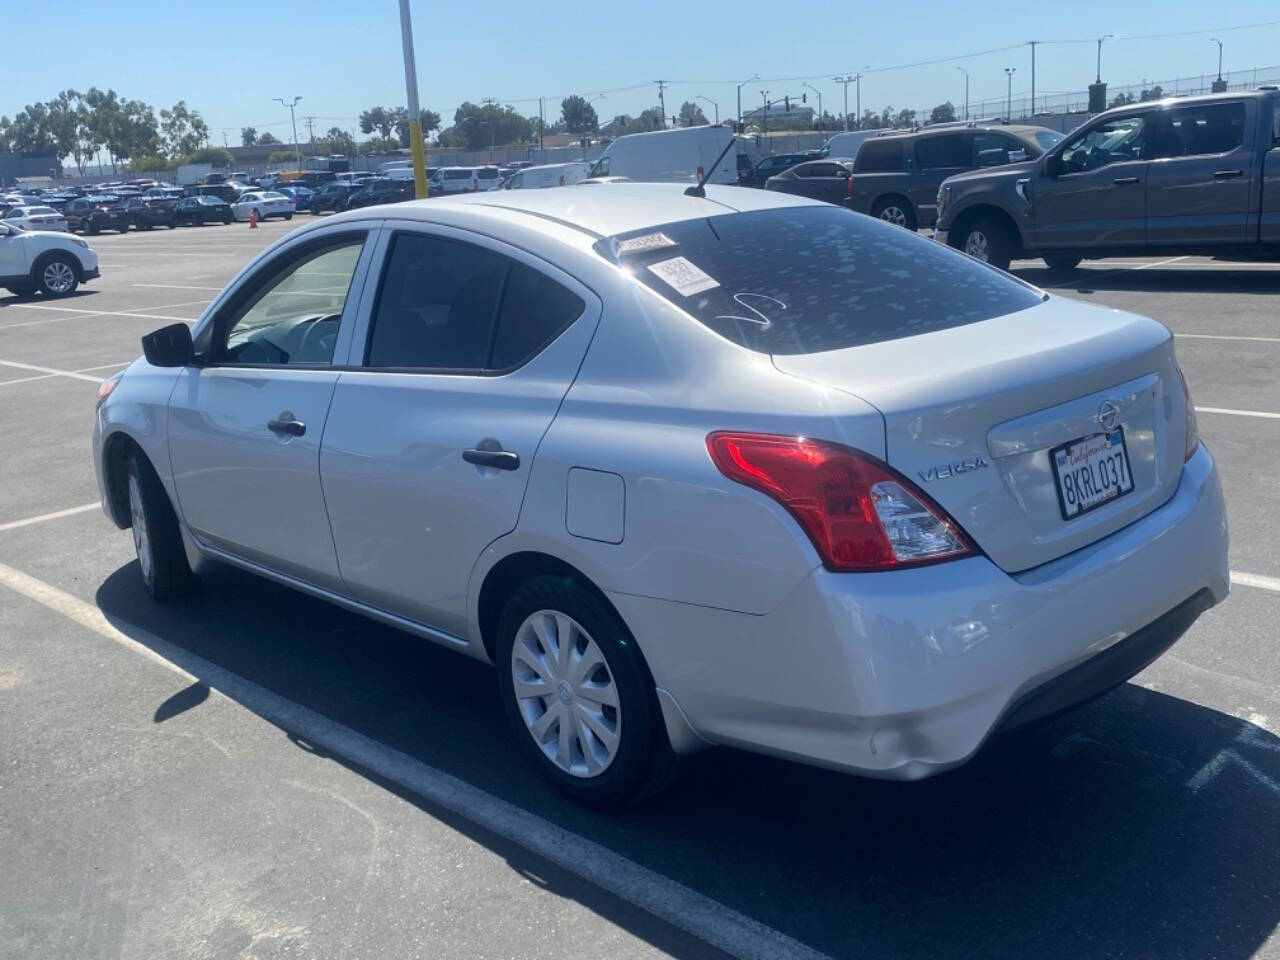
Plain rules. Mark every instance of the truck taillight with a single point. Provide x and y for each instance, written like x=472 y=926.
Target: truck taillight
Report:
x=1193 y=427
x=859 y=513
x=850 y=188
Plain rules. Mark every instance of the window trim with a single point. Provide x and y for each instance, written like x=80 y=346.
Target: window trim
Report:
x=362 y=333
x=1165 y=129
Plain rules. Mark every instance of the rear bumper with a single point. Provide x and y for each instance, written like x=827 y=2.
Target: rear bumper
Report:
x=905 y=674
x=940 y=235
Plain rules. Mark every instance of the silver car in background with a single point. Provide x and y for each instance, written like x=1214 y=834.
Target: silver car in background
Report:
x=741 y=469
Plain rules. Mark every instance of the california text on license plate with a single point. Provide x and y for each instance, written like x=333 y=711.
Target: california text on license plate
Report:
x=1091 y=471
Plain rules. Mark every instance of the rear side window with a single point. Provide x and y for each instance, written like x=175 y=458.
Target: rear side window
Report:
x=1205 y=128
x=944 y=150
x=810 y=279
x=535 y=310
x=880 y=156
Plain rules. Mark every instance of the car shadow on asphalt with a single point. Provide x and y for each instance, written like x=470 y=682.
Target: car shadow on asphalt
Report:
x=1141 y=825
x=1171 y=280
x=14 y=300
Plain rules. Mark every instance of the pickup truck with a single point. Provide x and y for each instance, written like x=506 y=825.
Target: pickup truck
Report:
x=1191 y=175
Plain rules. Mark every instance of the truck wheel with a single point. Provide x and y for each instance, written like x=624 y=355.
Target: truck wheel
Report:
x=1061 y=263
x=895 y=210
x=988 y=241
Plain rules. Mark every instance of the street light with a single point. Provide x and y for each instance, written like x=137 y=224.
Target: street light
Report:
x=1219 y=43
x=416 y=145
x=966 y=91
x=754 y=76
x=819 y=93
x=590 y=101
x=856 y=79
x=1106 y=36
x=1008 y=107
x=764 y=111
x=297 y=154
x=712 y=102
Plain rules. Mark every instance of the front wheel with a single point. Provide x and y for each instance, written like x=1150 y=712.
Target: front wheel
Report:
x=288 y=216
x=988 y=241
x=896 y=211
x=578 y=694
x=56 y=276
x=157 y=541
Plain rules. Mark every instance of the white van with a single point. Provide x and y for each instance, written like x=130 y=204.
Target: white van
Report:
x=679 y=155
x=847 y=144
x=547 y=175
x=394 y=165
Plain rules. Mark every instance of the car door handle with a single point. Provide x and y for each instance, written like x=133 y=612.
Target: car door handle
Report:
x=1123 y=181
x=498 y=459
x=1227 y=174
x=292 y=428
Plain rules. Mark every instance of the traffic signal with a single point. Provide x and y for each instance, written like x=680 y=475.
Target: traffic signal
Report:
x=804 y=98
x=786 y=104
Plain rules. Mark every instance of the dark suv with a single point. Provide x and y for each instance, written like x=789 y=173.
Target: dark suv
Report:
x=332 y=196
x=382 y=190
x=92 y=214
x=896 y=175
x=147 y=213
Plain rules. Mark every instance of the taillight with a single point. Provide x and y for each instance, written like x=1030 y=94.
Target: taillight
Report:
x=850 y=193
x=1193 y=427
x=858 y=512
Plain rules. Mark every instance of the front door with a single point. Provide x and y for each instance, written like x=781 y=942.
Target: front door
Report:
x=469 y=351
x=1201 y=186
x=245 y=426
x=13 y=254
x=1099 y=199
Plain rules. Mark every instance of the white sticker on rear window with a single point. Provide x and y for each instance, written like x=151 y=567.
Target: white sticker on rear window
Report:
x=650 y=241
x=683 y=276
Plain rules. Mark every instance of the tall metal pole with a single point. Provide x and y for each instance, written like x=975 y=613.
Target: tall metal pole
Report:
x=1219 y=43
x=1033 y=75
x=819 y=93
x=1106 y=36
x=297 y=154
x=844 y=82
x=740 y=86
x=966 y=91
x=857 y=85
x=411 y=96
x=662 y=101
x=1008 y=106
x=542 y=122
x=713 y=103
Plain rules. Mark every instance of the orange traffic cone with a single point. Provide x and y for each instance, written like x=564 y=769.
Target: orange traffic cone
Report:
x=253 y=219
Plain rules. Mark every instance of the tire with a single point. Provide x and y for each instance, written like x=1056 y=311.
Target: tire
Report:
x=615 y=698
x=173 y=225
x=1061 y=263
x=91 y=229
x=988 y=241
x=288 y=216
x=226 y=220
x=260 y=217
x=162 y=561
x=895 y=210
x=56 y=275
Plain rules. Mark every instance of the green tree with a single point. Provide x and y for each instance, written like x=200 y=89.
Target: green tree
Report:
x=248 y=136
x=217 y=156
x=267 y=139
x=1121 y=99
x=869 y=121
x=691 y=115
x=380 y=145
x=29 y=131
x=280 y=156
x=943 y=113
x=1155 y=93
x=380 y=119
x=578 y=115
x=478 y=127
x=905 y=118
x=69 y=123
x=184 y=129
x=340 y=141
x=429 y=119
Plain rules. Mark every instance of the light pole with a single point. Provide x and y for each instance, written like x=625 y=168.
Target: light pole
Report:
x=1008 y=106
x=819 y=93
x=754 y=76
x=1033 y=75
x=1219 y=43
x=297 y=154
x=764 y=111
x=411 y=98
x=713 y=103
x=662 y=101
x=1105 y=36
x=844 y=82
x=966 y=91
x=857 y=86
x=585 y=138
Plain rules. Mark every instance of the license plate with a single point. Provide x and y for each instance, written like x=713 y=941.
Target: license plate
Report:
x=1090 y=472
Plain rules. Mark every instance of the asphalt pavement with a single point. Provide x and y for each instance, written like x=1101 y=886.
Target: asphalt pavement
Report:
x=253 y=773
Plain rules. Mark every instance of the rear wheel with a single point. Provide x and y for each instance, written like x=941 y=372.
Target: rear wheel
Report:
x=578 y=694
x=56 y=275
x=1061 y=263
x=288 y=216
x=157 y=541
x=91 y=229
x=988 y=241
x=897 y=211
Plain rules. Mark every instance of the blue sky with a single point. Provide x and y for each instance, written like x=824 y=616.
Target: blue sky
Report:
x=229 y=61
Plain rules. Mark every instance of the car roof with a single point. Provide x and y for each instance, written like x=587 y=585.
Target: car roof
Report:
x=620 y=209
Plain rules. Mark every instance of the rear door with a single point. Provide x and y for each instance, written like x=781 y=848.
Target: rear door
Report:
x=826 y=180
x=1100 y=197
x=937 y=157
x=1201 y=182
x=1269 y=221
x=245 y=425
x=468 y=349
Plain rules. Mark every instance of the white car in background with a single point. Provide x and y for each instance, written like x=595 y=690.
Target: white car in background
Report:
x=36 y=218
x=468 y=179
x=267 y=203
x=548 y=175
x=39 y=261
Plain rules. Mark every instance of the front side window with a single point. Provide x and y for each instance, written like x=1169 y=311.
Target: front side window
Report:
x=1203 y=129
x=809 y=279
x=993 y=149
x=1116 y=141
x=294 y=315
x=943 y=150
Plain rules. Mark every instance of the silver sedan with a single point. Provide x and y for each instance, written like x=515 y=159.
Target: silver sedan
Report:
x=741 y=469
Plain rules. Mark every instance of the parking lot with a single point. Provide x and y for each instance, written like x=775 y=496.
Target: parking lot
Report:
x=254 y=773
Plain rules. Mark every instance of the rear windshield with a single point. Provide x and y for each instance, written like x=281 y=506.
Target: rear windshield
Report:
x=488 y=173
x=811 y=279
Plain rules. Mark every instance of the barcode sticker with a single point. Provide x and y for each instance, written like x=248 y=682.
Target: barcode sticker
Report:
x=650 y=241
x=682 y=275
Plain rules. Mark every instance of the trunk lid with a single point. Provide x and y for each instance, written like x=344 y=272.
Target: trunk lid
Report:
x=971 y=414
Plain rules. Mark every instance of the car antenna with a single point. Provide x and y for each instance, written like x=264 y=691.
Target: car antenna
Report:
x=698 y=189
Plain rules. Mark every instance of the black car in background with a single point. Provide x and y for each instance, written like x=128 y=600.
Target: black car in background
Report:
x=198 y=211
x=382 y=190
x=93 y=214
x=332 y=196
x=828 y=180
x=147 y=213
x=773 y=165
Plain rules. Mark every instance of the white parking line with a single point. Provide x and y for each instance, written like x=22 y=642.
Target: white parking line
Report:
x=57 y=514
x=80 y=314
x=1223 y=336
x=1256 y=580
x=51 y=371
x=684 y=908
x=173 y=286
x=50 y=376
x=1239 y=413
x=1086 y=279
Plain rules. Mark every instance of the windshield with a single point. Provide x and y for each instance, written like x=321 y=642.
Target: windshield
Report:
x=811 y=279
x=1048 y=138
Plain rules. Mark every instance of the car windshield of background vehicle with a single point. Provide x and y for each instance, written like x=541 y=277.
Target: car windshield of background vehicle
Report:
x=811 y=279
x=1048 y=138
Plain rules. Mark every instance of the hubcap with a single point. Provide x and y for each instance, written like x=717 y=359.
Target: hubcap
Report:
x=138 y=519
x=566 y=693
x=58 y=277
x=976 y=246
x=895 y=215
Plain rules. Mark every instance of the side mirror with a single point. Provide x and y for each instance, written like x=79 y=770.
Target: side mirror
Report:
x=169 y=346
x=1053 y=165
